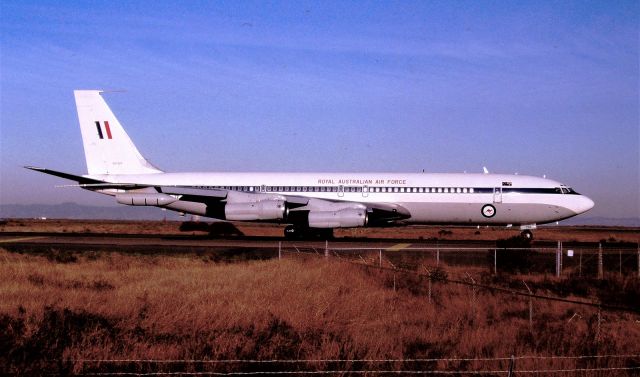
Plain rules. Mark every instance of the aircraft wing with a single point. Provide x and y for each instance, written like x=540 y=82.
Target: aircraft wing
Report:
x=379 y=213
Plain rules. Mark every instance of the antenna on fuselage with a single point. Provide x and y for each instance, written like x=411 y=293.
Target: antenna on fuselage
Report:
x=485 y=170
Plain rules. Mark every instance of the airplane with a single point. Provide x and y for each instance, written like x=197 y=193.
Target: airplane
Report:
x=312 y=203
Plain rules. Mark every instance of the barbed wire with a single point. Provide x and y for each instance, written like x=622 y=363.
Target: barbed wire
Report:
x=432 y=372
x=497 y=289
x=452 y=359
x=449 y=249
x=316 y=372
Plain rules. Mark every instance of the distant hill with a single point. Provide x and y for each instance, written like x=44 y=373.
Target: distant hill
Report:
x=606 y=221
x=77 y=211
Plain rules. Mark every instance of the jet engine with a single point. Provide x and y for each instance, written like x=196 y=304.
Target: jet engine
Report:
x=346 y=218
x=264 y=210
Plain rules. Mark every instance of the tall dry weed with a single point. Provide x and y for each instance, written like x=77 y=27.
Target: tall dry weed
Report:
x=113 y=306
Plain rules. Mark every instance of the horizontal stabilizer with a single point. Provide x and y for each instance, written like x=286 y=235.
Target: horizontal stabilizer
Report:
x=78 y=178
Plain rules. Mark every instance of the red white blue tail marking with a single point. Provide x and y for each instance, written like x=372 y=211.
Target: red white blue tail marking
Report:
x=106 y=127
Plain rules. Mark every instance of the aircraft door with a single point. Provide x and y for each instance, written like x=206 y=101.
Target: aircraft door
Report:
x=341 y=191
x=497 y=195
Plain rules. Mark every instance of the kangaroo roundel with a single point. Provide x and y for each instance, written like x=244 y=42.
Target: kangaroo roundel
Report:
x=488 y=210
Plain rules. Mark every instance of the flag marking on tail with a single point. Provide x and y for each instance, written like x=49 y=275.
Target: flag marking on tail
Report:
x=99 y=130
x=106 y=127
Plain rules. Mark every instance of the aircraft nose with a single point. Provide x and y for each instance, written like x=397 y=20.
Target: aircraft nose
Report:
x=583 y=204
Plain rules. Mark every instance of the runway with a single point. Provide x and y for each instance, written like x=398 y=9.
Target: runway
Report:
x=176 y=243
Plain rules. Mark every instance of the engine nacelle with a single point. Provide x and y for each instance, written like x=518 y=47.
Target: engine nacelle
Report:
x=145 y=199
x=346 y=218
x=264 y=210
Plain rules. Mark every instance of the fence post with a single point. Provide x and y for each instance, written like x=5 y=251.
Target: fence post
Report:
x=580 y=264
x=512 y=365
x=599 y=323
x=559 y=259
x=620 y=263
x=438 y=257
x=473 y=293
x=279 y=250
x=530 y=307
x=429 y=287
x=429 y=282
x=326 y=249
x=380 y=258
x=394 y=280
x=600 y=267
x=495 y=261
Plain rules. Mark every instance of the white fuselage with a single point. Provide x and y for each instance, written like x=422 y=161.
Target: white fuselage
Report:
x=430 y=198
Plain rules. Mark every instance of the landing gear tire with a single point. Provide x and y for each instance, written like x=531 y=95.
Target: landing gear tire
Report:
x=526 y=235
x=324 y=234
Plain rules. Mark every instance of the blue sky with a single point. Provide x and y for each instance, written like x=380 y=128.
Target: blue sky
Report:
x=535 y=87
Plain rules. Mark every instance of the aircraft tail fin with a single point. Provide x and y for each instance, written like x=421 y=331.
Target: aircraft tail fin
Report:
x=107 y=147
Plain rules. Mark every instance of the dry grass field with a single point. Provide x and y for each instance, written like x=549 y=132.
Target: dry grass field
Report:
x=56 y=313
x=544 y=233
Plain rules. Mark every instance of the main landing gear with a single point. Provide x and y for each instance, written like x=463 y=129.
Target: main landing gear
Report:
x=297 y=232
x=526 y=235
